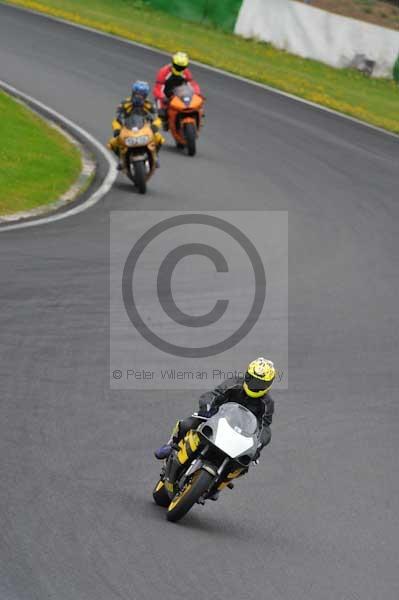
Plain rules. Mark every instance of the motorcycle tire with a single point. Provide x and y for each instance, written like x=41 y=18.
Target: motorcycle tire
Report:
x=140 y=177
x=192 y=491
x=190 y=135
x=160 y=495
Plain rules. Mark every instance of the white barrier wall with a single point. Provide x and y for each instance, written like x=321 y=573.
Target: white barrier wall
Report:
x=313 y=33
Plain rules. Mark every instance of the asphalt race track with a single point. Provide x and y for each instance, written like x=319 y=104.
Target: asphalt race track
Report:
x=318 y=518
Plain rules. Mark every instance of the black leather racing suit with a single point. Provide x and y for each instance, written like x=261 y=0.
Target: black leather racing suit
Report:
x=231 y=390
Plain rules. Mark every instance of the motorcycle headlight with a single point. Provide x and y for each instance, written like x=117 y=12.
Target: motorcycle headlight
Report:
x=140 y=140
x=143 y=139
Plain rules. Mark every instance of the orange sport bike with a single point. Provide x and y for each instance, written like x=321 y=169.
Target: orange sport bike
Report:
x=185 y=114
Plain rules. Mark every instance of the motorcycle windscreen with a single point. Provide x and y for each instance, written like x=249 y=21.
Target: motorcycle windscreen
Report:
x=134 y=121
x=184 y=91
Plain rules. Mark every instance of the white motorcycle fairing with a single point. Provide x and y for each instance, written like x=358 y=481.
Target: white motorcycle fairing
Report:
x=234 y=444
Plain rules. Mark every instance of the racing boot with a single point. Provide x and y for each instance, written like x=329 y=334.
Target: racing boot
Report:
x=214 y=496
x=163 y=452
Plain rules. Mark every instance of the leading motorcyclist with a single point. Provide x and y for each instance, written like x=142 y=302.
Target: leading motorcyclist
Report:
x=169 y=77
x=138 y=103
x=251 y=390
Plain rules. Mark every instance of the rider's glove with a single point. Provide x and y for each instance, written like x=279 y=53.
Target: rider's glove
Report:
x=206 y=411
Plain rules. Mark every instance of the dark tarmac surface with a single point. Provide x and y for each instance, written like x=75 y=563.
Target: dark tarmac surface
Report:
x=318 y=518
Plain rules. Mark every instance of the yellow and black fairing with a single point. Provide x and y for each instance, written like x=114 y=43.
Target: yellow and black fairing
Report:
x=234 y=474
x=187 y=449
x=124 y=110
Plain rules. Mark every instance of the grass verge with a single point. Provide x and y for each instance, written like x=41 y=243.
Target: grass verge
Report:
x=375 y=101
x=38 y=163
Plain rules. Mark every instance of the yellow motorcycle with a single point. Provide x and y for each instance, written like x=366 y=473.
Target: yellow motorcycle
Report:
x=137 y=150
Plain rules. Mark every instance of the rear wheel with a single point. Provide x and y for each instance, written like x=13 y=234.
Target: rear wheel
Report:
x=140 y=176
x=192 y=491
x=160 y=494
x=190 y=135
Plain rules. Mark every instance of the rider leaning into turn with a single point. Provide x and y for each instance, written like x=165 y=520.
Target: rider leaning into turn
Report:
x=137 y=102
x=168 y=78
x=252 y=391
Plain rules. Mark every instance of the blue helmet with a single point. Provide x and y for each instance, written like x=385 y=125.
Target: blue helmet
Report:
x=140 y=88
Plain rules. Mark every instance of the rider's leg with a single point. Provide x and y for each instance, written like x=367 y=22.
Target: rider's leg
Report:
x=265 y=437
x=162 y=106
x=159 y=141
x=113 y=145
x=180 y=430
x=185 y=426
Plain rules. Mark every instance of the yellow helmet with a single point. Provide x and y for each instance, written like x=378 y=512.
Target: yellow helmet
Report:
x=259 y=377
x=180 y=62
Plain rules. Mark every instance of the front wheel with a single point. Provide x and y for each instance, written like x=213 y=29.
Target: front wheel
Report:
x=190 y=135
x=192 y=491
x=140 y=176
x=160 y=494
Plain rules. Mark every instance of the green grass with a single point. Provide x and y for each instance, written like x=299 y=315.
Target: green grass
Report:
x=373 y=100
x=37 y=163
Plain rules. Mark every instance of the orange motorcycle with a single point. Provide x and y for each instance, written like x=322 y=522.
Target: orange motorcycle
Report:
x=185 y=114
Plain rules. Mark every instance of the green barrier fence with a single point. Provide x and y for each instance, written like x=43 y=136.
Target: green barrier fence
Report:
x=219 y=13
